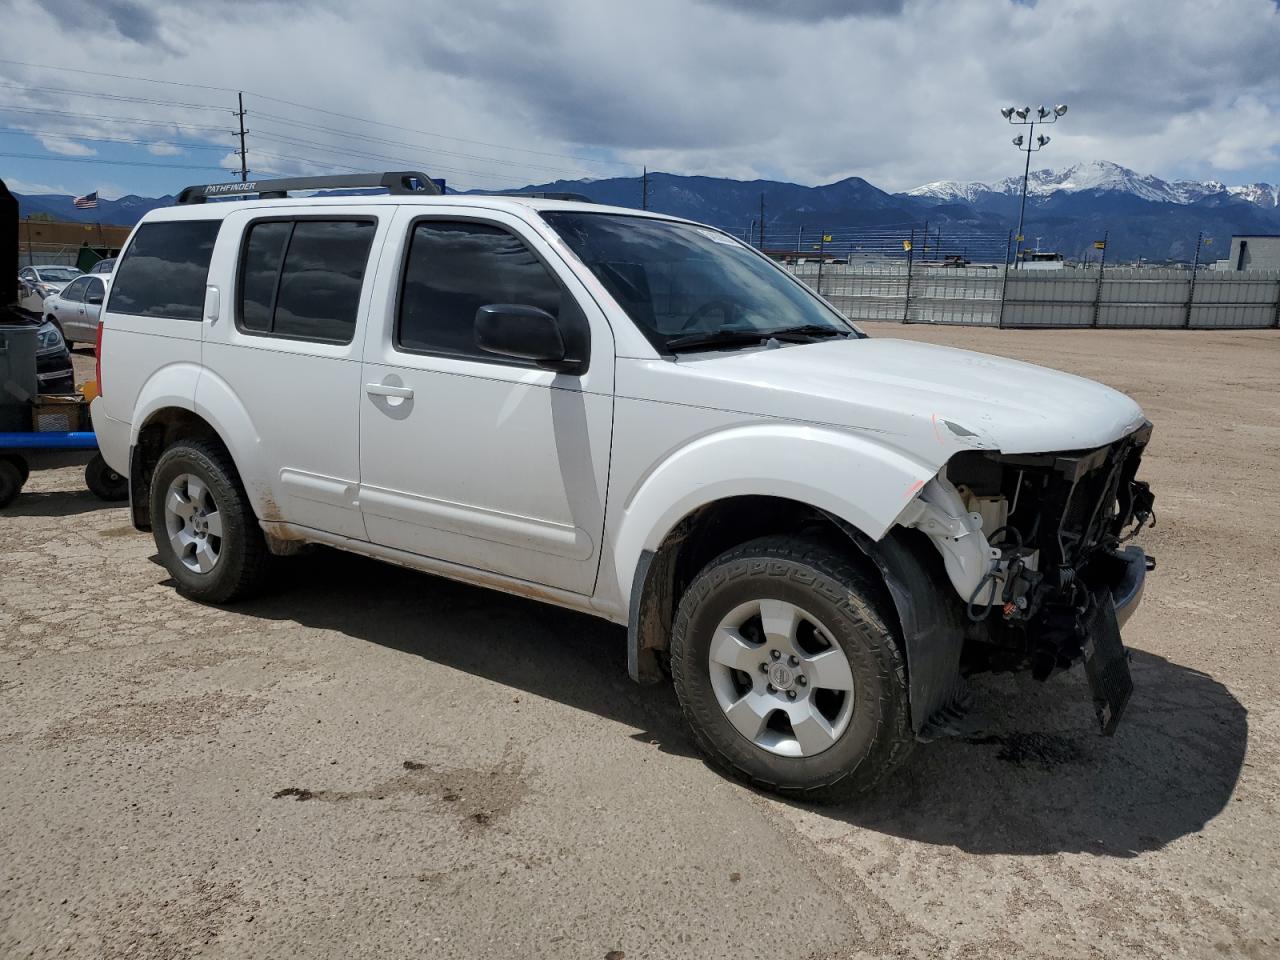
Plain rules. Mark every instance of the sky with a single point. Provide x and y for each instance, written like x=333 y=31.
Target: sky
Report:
x=502 y=93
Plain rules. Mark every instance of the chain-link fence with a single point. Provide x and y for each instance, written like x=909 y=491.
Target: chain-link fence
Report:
x=909 y=291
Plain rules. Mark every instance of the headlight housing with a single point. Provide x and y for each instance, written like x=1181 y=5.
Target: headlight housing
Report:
x=49 y=337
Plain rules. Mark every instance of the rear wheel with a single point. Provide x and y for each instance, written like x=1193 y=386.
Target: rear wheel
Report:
x=103 y=482
x=787 y=673
x=13 y=474
x=205 y=531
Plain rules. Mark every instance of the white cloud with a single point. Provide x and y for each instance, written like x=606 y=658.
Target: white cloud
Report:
x=162 y=149
x=64 y=146
x=31 y=188
x=897 y=92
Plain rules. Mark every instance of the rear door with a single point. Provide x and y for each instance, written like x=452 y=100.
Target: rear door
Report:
x=294 y=284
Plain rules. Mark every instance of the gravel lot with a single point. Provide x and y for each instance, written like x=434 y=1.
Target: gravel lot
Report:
x=376 y=763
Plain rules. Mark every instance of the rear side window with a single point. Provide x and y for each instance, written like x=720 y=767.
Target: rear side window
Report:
x=454 y=269
x=301 y=279
x=165 y=269
x=73 y=292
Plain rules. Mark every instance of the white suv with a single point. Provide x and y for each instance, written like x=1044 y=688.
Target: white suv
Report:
x=633 y=416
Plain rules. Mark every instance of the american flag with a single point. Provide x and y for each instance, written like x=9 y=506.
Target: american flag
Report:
x=88 y=202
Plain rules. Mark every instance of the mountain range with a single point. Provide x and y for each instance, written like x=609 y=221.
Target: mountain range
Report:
x=1067 y=210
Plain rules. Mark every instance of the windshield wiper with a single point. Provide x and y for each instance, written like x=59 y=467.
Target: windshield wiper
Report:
x=809 y=330
x=717 y=338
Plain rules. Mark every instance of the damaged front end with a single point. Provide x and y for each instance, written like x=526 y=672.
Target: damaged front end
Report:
x=1035 y=547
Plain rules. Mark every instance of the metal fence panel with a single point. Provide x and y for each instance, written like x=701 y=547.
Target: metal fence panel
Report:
x=915 y=292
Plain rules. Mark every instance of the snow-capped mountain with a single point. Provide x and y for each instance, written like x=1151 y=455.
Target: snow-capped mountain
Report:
x=1100 y=175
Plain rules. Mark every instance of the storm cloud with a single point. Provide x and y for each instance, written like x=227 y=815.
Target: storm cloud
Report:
x=897 y=91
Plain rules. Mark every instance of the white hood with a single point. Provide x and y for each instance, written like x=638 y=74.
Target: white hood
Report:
x=927 y=400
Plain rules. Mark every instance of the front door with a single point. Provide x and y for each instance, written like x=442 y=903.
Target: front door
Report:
x=471 y=458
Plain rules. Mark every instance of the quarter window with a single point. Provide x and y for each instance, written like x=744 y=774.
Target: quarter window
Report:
x=165 y=269
x=454 y=268
x=301 y=279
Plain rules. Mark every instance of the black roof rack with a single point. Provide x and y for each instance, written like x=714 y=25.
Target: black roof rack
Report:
x=399 y=183
x=544 y=195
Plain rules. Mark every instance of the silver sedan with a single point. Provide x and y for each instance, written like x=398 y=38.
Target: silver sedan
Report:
x=37 y=282
x=75 y=308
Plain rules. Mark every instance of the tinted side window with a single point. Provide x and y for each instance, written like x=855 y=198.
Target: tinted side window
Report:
x=259 y=273
x=301 y=279
x=165 y=269
x=454 y=269
x=73 y=292
x=95 y=287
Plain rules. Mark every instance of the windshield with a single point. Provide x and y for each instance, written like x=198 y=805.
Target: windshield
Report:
x=682 y=283
x=59 y=274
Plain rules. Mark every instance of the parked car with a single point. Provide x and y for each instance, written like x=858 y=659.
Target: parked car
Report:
x=37 y=282
x=74 y=309
x=54 y=372
x=633 y=416
x=105 y=265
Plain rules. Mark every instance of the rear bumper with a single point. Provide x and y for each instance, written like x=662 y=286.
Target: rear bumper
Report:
x=113 y=437
x=1126 y=593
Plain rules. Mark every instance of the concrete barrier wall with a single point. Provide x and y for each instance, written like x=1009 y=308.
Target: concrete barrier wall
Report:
x=1074 y=297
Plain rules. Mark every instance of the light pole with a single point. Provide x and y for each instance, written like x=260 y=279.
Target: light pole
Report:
x=1029 y=144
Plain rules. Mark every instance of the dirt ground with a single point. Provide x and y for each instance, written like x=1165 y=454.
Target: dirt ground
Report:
x=375 y=763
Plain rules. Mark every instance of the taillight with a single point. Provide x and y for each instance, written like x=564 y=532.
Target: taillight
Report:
x=97 y=358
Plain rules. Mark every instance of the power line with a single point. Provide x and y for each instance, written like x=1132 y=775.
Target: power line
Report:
x=115 y=163
x=303 y=106
x=134 y=142
x=110 y=119
x=519 y=164
x=115 y=96
x=115 y=76
x=432 y=133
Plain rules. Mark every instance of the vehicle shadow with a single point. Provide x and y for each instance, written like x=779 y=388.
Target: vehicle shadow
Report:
x=60 y=503
x=1039 y=778
x=569 y=657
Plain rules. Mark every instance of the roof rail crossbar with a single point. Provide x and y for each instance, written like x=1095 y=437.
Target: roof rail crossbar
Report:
x=398 y=183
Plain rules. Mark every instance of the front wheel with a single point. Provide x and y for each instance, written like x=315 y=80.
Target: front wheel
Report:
x=787 y=673
x=205 y=531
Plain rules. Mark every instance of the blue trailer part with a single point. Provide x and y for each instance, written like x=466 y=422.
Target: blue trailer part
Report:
x=20 y=452
x=76 y=440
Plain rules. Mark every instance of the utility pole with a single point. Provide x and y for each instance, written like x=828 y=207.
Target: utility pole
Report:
x=244 y=157
x=644 y=190
x=762 y=223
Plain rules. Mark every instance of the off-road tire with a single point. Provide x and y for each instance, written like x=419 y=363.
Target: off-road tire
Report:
x=103 y=482
x=818 y=579
x=243 y=560
x=13 y=474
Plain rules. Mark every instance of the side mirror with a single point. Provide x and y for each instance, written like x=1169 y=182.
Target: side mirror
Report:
x=523 y=332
